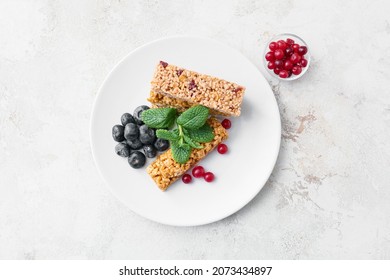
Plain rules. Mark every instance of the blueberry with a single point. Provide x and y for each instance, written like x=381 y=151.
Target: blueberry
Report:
x=136 y=159
x=135 y=144
x=161 y=144
x=150 y=151
x=117 y=133
x=146 y=135
x=137 y=113
x=131 y=131
x=127 y=118
x=122 y=149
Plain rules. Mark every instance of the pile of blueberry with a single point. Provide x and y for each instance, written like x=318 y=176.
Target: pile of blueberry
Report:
x=133 y=135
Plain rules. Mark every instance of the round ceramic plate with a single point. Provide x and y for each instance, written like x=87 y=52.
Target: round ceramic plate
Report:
x=253 y=142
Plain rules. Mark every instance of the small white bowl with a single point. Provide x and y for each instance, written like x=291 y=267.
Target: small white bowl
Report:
x=297 y=40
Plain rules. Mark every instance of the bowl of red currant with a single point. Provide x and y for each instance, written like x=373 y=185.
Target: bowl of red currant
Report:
x=287 y=57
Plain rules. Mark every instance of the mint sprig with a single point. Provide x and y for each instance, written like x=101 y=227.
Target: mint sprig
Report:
x=191 y=129
x=203 y=134
x=192 y=143
x=180 y=151
x=193 y=118
x=168 y=134
x=159 y=117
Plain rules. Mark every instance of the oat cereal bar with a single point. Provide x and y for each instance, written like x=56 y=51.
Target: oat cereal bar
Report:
x=165 y=170
x=162 y=101
x=189 y=86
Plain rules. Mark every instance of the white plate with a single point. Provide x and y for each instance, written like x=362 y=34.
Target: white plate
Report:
x=253 y=142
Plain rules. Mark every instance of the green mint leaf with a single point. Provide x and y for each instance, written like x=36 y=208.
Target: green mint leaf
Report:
x=192 y=143
x=167 y=134
x=203 y=135
x=194 y=117
x=180 y=152
x=159 y=117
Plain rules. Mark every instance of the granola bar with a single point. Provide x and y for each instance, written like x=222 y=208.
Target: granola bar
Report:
x=195 y=88
x=165 y=170
x=162 y=101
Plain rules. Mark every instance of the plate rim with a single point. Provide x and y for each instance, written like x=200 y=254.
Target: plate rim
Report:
x=93 y=112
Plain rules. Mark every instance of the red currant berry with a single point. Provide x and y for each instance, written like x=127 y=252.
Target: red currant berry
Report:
x=283 y=74
x=295 y=47
x=289 y=41
x=289 y=73
x=289 y=51
x=279 y=63
x=279 y=54
x=273 y=46
x=271 y=65
x=198 y=171
x=295 y=58
x=222 y=149
x=226 y=124
x=282 y=45
x=209 y=177
x=302 y=50
x=270 y=56
x=186 y=178
x=303 y=62
x=277 y=70
x=288 y=65
x=296 y=70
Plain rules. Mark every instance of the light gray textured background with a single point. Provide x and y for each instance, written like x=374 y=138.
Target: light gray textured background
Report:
x=329 y=194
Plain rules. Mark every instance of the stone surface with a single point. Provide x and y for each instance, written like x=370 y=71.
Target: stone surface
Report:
x=328 y=196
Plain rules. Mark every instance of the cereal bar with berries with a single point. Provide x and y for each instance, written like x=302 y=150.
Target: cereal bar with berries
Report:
x=191 y=87
x=162 y=101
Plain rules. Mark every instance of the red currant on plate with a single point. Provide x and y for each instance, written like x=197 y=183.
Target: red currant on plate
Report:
x=186 y=178
x=222 y=148
x=198 y=171
x=226 y=123
x=209 y=177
